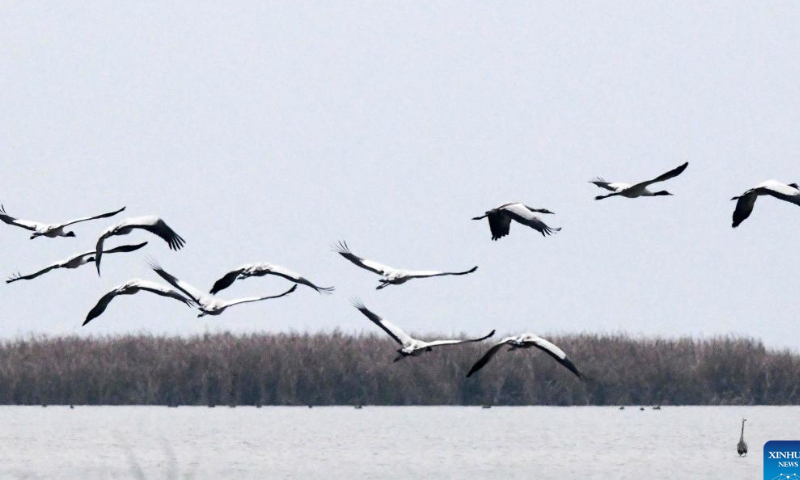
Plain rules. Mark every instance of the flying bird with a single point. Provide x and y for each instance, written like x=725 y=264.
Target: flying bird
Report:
x=152 y=224
x=741 y=447
x=746 y=201
x=260 y=270
x=526 y=340
x=50 y=230
x=391 y=276
x=410 y=346
x=74 y=261
x=129 y=288
x=500 y=219
x=207 y=304
x=638 y=189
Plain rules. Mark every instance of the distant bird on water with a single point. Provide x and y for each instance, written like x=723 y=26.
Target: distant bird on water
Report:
x=207 y=304
x=410 y=346
x=74 y=261
x=391 y=276
x=638 y=189
x=526 y=340
x=741 y=447
x=260 y=270
x=132 y=287
x=50 y=230
x=500 y=219
x=152 y=224
x=746 y=201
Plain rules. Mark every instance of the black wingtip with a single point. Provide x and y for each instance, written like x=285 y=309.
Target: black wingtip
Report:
x=341 y=247
x=571 y=366
x=153 y=263
x=357 y=304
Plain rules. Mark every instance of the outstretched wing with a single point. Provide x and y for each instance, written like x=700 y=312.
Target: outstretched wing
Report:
x=744 y=207
x=398 y=335
x=159 y=227
x=26 y=224
x=523 y=215
x=18 y=276
x=487 y=356
x=434 y=273
x=438 y=343
x=123 y=248
x=176 y=282
x=499 y=224
x=603 y=184
x=133 y=286
x=258 y=299
x=294 y=277
x=100 y=307
x=86 y=219
x=788 y=193
x=343 y=250
x=665 y=176
x=226 y=281
x=556 y=353
x=163 y=291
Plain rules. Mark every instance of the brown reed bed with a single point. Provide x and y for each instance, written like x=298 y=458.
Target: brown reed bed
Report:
x=340 y=369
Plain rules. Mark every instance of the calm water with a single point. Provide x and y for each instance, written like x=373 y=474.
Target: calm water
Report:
x=383 y=442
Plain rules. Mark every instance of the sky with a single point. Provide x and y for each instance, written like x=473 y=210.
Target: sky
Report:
x=268 y=131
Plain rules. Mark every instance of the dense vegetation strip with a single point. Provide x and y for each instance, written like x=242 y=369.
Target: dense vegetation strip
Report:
x=339 y=369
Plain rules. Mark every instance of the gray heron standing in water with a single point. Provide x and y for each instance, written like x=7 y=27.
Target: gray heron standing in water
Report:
x=741 y=447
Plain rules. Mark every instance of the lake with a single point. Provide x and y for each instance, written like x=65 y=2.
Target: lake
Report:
x=382 y=442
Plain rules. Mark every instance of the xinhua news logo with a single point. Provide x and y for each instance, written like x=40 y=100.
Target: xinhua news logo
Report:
x=782 y=460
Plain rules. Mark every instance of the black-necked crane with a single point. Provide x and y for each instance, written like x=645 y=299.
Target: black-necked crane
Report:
x=741 y=447
x=410 y=347
x=746 y=201
x=636 y=190
x=50 y=230
x=151 y=224
x=74 y=261
x=209 y=305
x=391 y=276
x=132 y=287
x=526 y=340
x=260 y=270
x=500 y=219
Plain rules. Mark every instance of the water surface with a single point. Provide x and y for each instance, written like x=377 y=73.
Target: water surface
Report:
x=383 y=442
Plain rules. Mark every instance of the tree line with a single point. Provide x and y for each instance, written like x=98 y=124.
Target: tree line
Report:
x=340 y=369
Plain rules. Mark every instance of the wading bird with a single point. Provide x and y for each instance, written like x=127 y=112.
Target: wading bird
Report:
x=260 y=270
x=638 y=189
x=410 y=346
x=746 y=201
x=391 y=276
x=526 y=340
x=74 y=261
x=741 y=447
x=152 y=224
x=129 y=288
x=500 y=219
x=50 y=230
x=207 y=304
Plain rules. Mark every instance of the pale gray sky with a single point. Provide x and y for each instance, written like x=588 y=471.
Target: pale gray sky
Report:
x=266 y=131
